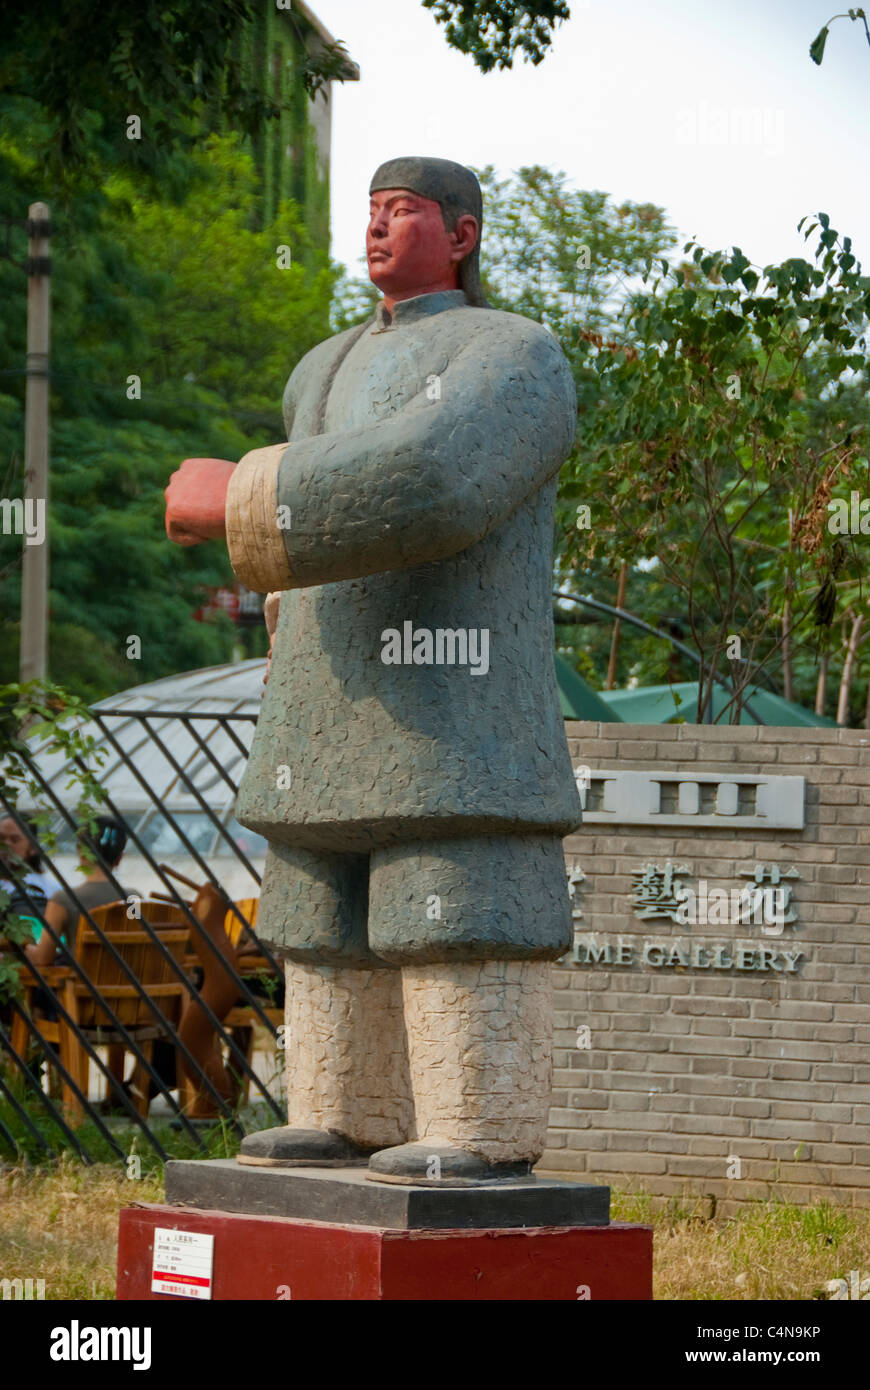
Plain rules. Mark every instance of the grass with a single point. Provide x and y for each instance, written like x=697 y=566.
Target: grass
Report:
x=216 y=1139
x=59 y=1218
x=769 y=1250
x=60 y=1222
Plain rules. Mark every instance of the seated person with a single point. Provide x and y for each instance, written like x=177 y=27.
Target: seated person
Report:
x=62 y=912
x=21 y=838
x=20 y=878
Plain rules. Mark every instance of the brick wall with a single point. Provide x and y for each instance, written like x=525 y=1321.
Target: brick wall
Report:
x=687 y=1074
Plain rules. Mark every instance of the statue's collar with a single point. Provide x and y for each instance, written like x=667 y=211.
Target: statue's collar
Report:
x=421 y=306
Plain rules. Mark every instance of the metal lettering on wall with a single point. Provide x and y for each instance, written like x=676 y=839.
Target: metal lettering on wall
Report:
x=660 y=891
x=690 y=799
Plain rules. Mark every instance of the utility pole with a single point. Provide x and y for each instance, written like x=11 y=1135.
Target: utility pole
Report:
x=34 y=569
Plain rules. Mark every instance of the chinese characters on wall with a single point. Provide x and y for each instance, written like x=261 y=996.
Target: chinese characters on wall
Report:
x=762 y=900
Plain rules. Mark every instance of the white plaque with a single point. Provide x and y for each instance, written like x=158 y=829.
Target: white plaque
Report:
x=182 y=1263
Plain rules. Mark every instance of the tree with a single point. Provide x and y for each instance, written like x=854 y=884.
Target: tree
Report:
x=494 y=31
x=86 y=68
x=175 y=329
x=724 y=418
x=235 y=308
x=570 y=259
x=723 y=414
x=90 y=67
x=41 y=709
x=569 y=255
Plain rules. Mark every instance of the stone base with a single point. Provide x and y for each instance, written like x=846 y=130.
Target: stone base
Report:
x=269 y=1258
x=345 y=1196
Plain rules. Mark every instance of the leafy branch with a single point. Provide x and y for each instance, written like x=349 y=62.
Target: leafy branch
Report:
x=43 y=710
x=493 y=31
x=817 y=47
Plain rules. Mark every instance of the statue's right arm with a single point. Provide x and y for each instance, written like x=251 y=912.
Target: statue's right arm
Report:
x=418 y=486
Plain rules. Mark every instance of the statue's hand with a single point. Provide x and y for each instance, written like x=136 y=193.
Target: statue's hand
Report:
x=196 y=501
x=270 y=613
x=269 y=660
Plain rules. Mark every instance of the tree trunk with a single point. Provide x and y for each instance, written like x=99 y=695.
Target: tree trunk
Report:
x=848 y=670
x=820 y=684
x=787 y=677
x=614 y=641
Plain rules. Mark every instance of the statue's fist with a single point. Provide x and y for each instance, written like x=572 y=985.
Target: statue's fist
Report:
x=270 y=613
x=196 y=501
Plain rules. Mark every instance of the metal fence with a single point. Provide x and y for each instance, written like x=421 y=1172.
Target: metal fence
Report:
x=22 y=1086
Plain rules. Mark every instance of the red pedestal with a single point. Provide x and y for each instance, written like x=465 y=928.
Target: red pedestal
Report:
x=264 y=1258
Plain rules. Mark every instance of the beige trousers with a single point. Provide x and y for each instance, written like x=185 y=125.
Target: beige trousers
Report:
x=456 y=1054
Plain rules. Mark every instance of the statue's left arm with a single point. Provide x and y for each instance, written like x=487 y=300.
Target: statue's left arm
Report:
x=419 y=486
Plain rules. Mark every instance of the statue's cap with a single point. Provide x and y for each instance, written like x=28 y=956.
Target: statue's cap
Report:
x=452 y=186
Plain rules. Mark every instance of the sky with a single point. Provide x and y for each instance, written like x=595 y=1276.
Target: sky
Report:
x=709 y=108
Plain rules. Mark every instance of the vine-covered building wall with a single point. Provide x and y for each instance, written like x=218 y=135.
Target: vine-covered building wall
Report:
x=292 y=152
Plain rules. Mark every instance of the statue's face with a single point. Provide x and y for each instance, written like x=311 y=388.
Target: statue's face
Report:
x=408 y=248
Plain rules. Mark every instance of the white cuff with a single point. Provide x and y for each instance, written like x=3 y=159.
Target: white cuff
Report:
x=254 y=539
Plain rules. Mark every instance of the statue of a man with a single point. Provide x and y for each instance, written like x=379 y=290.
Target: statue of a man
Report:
x=410 y=768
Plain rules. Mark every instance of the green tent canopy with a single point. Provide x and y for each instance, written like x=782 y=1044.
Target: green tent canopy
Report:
x=578 y=700
x=668 y=704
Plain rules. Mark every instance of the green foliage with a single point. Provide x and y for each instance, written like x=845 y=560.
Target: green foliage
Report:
x=189 y=299
x=570 y=258
x=90 y=66
x=817 y=47
x=565 y=257
x=722 y=406
x=353 y=302
x=219 y=1139
x=494 y=31
x=710 y=440
x=225 y=315
x=45 y=711
x=570 y=253
x=14 y=929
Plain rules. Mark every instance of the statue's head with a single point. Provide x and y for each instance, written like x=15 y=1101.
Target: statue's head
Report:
x=424 y=228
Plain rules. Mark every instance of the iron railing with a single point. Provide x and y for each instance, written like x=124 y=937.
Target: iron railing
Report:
x=22 y=1070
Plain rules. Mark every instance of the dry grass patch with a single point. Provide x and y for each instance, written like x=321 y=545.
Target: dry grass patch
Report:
x=60 y=1224
x=769 y=1250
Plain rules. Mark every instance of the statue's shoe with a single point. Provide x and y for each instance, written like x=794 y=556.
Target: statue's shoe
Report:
x=440 y=1165
x=284 y=1147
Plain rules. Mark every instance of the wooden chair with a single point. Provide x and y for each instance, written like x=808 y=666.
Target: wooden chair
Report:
x=242 y=1019
x=22 y=1038
x=220 y=968
x=233 y=924
x=157 y=980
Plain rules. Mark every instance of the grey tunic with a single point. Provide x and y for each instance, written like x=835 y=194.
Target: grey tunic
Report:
x=421 y=480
